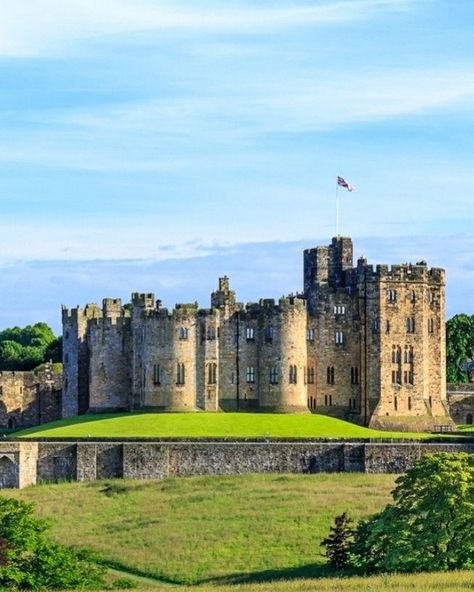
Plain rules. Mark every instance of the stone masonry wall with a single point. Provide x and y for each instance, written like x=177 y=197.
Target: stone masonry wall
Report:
x=26 y=463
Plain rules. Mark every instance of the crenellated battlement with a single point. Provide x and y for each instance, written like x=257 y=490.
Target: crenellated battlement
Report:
x=361 y=342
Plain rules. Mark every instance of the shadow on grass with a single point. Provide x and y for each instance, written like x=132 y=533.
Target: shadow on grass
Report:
x=309 y=571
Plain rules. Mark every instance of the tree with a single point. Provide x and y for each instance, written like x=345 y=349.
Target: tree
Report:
x=429 y=526
x=338 y=542
x=459 y=346
x=25 y=349
x=30 y=561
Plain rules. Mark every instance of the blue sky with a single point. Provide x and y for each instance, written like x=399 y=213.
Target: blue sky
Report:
x=151 y=145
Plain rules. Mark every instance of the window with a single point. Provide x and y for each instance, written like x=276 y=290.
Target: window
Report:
x=310 y=375
x=212 y=373
x=395 y=403
x=391 y=296
x=354 y=375
x=156 y=374
x=293 y=376
x=327 y=400
x=180 y=374
x=330 y=375
x=431 y=296
x=269 y=334
x=387 y=326
x=396 y=377
x=210 y=333
x=273 y=375
x=411 y=325
x=339 y=310
x=183 y=333
x=250 y=333
x=430 y=325
x=413 y=296
x=409 y=403
x=232 y=378
x=310 y=335
x=375 y=325
x=430 y=401
x=339 y=337
x=250 y=374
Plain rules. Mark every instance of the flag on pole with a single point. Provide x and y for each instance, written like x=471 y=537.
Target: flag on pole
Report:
x=343 y=183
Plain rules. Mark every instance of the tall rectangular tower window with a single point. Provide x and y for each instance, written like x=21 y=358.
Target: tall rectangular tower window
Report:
x=391 y=296
x=310 y=375
x=212 y=373
x=269 y=334
x=310 y=335
x=330 y=375
x=430 y=325
x=339 y=337
x=410 y=325
x=180 y=373
x=274 y=375
x=293 y=377
x=156 y=374
x=250 y=374
x=250 y=334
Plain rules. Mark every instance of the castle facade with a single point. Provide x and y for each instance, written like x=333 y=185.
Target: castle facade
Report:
x=360 y=343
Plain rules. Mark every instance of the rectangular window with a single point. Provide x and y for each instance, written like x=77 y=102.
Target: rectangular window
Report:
x=410 y=325
x=180 y=373
x=250 y=374
x=293 y=377
x=430 y=325
x=375 y=325
x=183 y=333
x=156 y=374
x=391 y=296
x=339 y=310
x=268 y=334
x=250 y=333
x=310 y=335
x=310 y=375
x=339 y=337
x=274 y=375
x=212 y=373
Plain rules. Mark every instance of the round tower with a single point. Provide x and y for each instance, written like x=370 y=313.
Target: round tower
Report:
x=283 y=357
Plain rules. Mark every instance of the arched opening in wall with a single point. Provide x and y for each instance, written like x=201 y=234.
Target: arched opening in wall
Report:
x=11 y=423
x=8 y=473
x=469 y=419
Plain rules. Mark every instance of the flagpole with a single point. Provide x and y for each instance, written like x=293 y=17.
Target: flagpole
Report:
x=337 y=208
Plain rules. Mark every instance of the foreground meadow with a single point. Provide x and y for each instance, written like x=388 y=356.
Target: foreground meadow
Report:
x=244 y=533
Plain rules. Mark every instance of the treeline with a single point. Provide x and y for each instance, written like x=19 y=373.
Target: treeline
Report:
x=459 y=347
x=28 y=348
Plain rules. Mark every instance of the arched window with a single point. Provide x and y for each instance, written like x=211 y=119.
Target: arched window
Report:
x=210 y=333
x=410 y=325
x=391 y=296
x=183 y=332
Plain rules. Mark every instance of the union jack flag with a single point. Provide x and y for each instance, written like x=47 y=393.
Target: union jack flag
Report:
x=343 y=183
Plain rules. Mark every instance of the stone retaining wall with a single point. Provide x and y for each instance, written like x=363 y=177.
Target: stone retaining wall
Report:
x=28 y=462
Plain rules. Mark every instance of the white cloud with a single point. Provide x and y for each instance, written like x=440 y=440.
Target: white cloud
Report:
x=44 y=27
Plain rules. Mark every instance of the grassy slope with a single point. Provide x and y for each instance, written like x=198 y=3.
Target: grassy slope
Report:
x=209 y=528
x=207 y=425
x=262 y=531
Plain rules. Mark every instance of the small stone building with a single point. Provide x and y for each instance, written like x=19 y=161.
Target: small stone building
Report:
x=29 y=398
x=359 y=342
x=461 y=402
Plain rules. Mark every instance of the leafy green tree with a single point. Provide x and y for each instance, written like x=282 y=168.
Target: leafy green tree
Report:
x=30 y=561
x=24 y=349
x=459 y=346
x=430 y=524
x=338 y=542
x=54 y=351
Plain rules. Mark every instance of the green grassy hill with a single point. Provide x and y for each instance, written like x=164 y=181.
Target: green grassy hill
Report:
x=249 y=533
x=181 y=425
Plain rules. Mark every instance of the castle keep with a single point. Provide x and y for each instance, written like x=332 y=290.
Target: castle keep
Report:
x=361 y=343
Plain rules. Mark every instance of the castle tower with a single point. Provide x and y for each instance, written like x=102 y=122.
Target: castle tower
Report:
x=283 y=357
x=75 y=321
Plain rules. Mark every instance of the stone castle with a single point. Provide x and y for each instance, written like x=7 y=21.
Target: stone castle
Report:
x=359 y=343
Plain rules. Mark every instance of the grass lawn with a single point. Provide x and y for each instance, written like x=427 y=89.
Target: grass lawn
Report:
x=248 y=533
x=176 y=425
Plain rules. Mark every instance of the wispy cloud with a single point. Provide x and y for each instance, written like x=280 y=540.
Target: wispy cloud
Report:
x=43 y=27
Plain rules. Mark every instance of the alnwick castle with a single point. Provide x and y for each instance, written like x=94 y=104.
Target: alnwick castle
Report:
x=362 y=343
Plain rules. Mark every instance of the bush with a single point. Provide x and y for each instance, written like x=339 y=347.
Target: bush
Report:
x=429 y=526
x=29 y=560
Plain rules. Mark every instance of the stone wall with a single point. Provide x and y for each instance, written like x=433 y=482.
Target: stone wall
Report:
x=29 y=398
x=27 y=463
x=461 y=403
